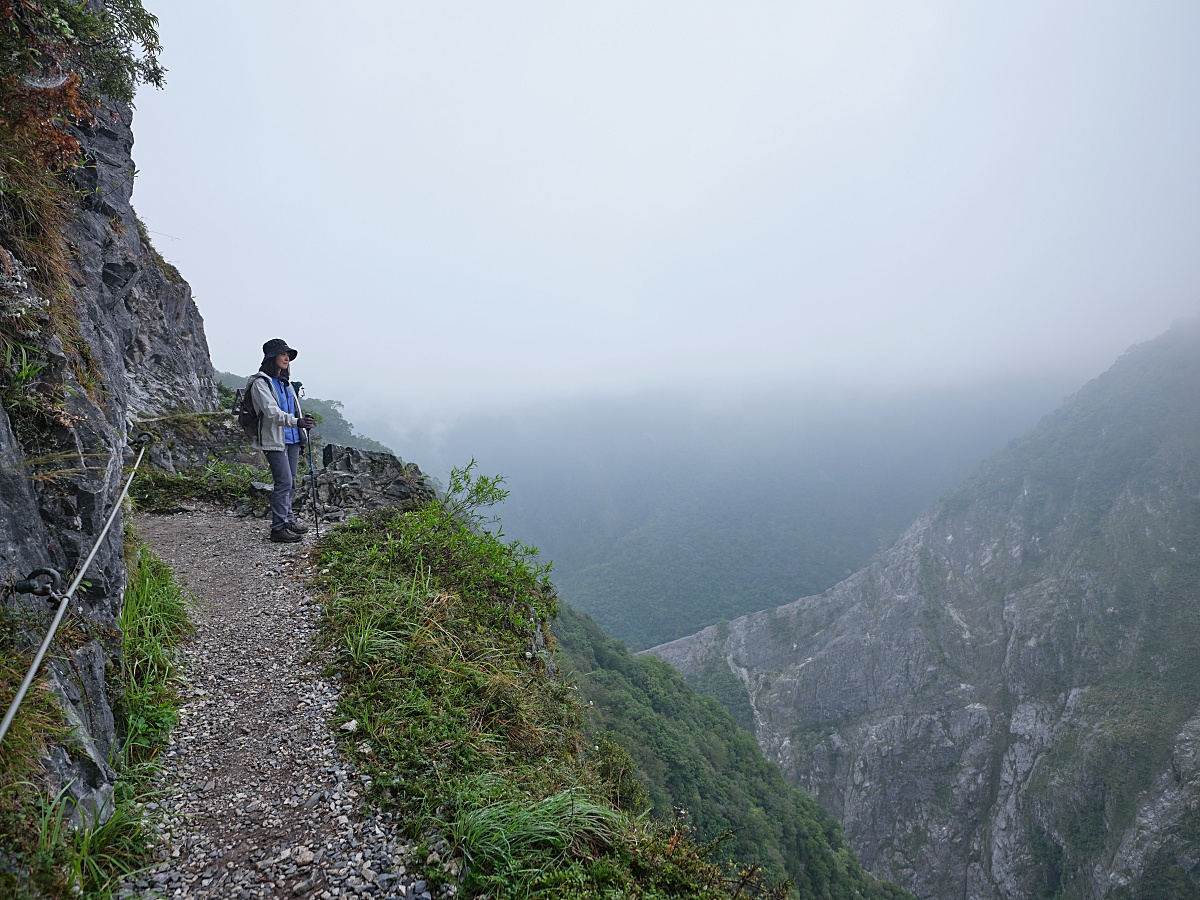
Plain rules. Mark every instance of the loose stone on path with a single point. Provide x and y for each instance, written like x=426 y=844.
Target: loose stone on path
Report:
x=257 y=802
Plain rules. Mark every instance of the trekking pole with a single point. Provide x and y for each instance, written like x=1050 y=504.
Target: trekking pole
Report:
x=312 y=477
x=312 y=472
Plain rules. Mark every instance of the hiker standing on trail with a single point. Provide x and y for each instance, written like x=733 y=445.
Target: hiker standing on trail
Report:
x=282 y=431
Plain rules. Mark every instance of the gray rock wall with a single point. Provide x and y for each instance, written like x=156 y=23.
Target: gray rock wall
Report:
x=139 y=349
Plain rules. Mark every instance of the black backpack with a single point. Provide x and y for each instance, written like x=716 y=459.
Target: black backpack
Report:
x=243 y=407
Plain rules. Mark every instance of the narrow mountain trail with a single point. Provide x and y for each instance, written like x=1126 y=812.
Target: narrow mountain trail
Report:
x=256 y=800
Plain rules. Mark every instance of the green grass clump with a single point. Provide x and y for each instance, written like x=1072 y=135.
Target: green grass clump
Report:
x=512 y=845
x=218 y=482
x=32 y=861
x=41 y=855
x=154 y=620
x=440 y=629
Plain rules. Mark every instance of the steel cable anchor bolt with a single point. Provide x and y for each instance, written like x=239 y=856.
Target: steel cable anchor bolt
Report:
x=31 y=585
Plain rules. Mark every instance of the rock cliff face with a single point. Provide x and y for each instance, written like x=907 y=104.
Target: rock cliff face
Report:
x=1006 y=704
x=136 y=311
x=138 y=350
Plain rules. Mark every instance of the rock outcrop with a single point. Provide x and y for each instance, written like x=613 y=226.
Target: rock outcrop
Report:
x=136 y=311
x=1006 y=704
x=137 y=349
x=353 y=481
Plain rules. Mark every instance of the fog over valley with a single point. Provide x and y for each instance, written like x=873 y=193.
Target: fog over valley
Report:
x=665 y=513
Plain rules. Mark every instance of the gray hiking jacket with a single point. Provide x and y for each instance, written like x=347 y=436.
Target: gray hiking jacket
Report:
x=271 y=419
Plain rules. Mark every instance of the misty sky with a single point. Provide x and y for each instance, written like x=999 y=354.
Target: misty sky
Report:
x=452 y=206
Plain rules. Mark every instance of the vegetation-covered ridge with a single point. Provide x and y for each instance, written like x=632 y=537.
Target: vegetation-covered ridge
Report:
x=690 y=755
x=462 y=716
x=41 y=854
x=332 y=427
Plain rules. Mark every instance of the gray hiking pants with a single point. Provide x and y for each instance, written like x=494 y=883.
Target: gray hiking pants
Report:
x=284 y=466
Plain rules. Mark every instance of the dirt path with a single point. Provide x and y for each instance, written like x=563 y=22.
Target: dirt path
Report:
x=257 y=801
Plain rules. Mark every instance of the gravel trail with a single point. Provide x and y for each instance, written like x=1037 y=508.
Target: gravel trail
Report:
x=257 y=802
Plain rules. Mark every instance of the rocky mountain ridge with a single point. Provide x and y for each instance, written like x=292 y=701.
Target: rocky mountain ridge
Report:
x=1006 y=703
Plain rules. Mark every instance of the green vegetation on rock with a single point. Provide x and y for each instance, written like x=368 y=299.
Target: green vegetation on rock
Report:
x=59 y=60
x=691 y=755
x=218 y=482
x=42 y=857
x=28 y=861
x=1114 y=474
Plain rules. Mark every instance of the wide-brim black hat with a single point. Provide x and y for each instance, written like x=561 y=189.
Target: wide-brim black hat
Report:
x=275 y=346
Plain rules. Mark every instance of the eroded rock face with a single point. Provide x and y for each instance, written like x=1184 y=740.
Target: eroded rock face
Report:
x=1006 y=704
x=141 y=351
x=144 y=324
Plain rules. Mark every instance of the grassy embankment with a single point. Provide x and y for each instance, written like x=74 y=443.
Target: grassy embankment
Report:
x=472 y=733
x=41 y=856
x=439 y=627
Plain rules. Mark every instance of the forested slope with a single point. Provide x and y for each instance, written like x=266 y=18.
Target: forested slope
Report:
x=694 y=759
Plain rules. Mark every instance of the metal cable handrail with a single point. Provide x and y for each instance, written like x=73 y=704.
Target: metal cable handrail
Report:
x=30 y=585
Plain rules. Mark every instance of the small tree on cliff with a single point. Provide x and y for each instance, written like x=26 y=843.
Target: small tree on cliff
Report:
x=59 y=58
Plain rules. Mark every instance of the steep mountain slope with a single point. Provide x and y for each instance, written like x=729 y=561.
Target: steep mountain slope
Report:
x=1007 y=702
x=691 y=755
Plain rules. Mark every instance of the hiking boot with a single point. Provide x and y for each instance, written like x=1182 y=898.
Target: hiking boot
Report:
x=284 y=536
x=298 y=527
